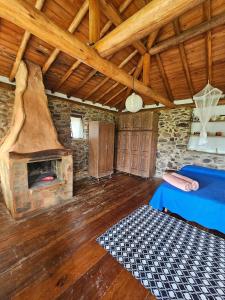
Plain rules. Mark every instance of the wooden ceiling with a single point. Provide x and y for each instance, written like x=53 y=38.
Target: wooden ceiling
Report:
x=183 y=53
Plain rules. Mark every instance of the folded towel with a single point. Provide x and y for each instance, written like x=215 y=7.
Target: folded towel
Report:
x=194 y=183
x=177 y=182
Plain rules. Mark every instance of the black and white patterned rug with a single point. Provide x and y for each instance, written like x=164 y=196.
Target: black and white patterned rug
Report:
x=171 y=258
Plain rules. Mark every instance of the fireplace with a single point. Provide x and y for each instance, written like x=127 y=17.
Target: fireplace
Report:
x=44 y=173
x=36 y=171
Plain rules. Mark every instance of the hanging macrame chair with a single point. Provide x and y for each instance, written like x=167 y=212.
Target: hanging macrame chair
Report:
x=206 y=101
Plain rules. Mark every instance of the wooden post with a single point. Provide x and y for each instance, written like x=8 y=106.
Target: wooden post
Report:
x=94 y=21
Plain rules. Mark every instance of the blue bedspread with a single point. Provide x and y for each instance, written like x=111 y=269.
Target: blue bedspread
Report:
x=205 y=206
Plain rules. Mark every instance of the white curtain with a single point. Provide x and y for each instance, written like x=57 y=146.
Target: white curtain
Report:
x=206 y=101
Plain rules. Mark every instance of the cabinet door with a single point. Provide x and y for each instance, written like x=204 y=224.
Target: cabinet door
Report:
x=147 y=120
x=110 y=147
x=135 y=152
x=106 y=148
x=146 y=163
x=123 y=151
x=125 y=122
x=136 y=121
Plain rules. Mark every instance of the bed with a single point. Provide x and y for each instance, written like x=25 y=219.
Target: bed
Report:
x=205 y=206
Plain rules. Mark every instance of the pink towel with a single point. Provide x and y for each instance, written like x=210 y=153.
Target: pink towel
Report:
x=177 y=182
x=194 y=184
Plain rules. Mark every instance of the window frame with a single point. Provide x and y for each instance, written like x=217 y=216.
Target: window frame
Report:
x=80 y=116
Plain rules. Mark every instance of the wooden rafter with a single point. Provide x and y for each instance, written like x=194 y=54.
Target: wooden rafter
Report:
x=94 y=21
x=146 y=68
x=148 y=19
x=73 y=26
x=82 y=83
x=23 y=45
x=74 y=66
x=188 y=34
x=207 y=9
x=121 y=65
x=91 y=74
x=121 y=9
x=24 y=15
x=112 y=14
x=164 y=77
x=116 y=95
x=113 y=87
x=184 y=58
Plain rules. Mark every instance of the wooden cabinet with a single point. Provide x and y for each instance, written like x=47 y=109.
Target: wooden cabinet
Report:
x=136 y=144
x=139 y=121
x=101 y=148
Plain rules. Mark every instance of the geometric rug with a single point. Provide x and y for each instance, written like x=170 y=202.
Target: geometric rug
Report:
x=171 y=258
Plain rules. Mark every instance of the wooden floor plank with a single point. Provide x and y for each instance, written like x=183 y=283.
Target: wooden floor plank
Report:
x=54 y=254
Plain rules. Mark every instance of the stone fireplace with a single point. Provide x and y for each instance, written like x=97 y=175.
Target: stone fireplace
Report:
x=36 y=171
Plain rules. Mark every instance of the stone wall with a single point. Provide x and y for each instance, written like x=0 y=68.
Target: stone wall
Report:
x=172 y=153
x=61 y=111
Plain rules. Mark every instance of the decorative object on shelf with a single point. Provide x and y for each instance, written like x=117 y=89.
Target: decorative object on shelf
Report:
x=134 y=102
x=206 y=101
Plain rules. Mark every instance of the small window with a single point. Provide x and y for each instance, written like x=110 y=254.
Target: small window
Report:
x=77 y=130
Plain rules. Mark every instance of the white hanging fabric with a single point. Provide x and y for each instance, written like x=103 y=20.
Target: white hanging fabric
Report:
x=206 y=101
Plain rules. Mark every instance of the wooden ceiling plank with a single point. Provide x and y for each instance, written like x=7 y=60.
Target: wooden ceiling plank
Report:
x=188 y=34
x=94 y=21
x=23 y=45
x=115 y=95
x=148 y=19
x=74 y=66
x=82 y=83
x=184 y=59
x=164 y=77
x=121 y=65
x=112 y=14
x=113 y=87
x=121 y=9
x=73 y=26
x=207 y=9
x=24 y=15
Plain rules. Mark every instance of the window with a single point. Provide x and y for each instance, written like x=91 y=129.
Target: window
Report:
x=76 y=124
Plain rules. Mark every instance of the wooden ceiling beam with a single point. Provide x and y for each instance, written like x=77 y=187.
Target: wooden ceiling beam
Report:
x=188 y=34
x=207 y=9
x=113 y=87
x=121 y=65
x=24 y=15
x=148 y=19
x=23 y=45
x=121 y=9
x=94 y=21
x=184 y=59
x=73 y=26
x=112 y=14
x=164 y=77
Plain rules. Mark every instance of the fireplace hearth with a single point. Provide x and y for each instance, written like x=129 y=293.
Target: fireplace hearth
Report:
x=41 y=173
x=36 y=171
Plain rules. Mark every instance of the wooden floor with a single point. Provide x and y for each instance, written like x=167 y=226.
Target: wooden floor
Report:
x=54 y=255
